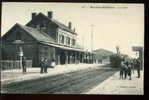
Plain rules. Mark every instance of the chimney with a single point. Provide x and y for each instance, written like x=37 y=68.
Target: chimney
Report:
x=33 y=15
x=50 y=14
x=69 y=25
x=74 y=29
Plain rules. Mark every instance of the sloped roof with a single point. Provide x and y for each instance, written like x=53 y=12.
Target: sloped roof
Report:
x=101 y=53
x=44 y=38
x=64 y=47
x=59 y=24
x=38 y=35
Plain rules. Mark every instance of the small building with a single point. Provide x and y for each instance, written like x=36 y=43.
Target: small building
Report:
x=43 y=36
x=102 y=56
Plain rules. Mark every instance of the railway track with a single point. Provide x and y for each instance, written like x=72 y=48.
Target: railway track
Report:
x=69 y=83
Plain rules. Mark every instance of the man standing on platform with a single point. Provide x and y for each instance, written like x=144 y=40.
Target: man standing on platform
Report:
x=45 y=65
x=24 y=64
x=42 y=65
x=138 y=67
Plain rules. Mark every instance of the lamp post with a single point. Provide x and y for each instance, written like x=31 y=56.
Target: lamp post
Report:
x=92 y=30
x=20 y=53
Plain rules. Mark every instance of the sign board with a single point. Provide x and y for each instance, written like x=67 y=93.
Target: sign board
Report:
x=18 y=42
x=137 y=48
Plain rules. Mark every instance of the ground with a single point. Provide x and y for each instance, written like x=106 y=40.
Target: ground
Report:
x=71 y=79
x=114 y=85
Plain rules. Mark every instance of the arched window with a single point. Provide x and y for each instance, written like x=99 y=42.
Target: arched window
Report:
x=62 y=39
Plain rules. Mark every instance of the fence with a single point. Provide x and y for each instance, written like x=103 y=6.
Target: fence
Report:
x=13 y=64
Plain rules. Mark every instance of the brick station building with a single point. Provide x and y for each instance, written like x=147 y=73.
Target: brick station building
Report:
x=43 y=36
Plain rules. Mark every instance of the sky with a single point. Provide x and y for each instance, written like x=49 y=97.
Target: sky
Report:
x=113 y=24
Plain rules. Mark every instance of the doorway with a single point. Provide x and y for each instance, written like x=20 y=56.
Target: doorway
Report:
x=62 y=57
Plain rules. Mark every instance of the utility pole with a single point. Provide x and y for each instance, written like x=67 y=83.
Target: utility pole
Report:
x=92 y=31
x=83 y=42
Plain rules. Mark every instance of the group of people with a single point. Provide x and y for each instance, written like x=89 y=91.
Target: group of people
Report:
x=44 y=64
x=128 y=67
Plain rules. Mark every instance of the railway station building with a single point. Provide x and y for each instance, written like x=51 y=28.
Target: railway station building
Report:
x=43 y=36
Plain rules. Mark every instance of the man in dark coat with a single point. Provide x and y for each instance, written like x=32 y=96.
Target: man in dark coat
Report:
x=45 y=65
x=132 y=66
x=129 y=71
x=122 y=69
x=138 y=67
x=126 y=69
x=24 y=64
x=42 y=65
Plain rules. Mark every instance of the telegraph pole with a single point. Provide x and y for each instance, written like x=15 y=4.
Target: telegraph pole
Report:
x=83 y=42
x=92 y=30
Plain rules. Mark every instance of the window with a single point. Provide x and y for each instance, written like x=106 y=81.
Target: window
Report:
x=43 y=25
x=59 y=39
x=62 y=39
x=73 y=42
x=68 y=40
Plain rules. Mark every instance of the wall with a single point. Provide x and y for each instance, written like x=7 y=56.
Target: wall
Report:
x=66 y=34
x=10 y=50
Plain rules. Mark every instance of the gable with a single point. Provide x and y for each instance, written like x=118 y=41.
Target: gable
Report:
x=27 y=34
x=40 y=19
x=17 y=33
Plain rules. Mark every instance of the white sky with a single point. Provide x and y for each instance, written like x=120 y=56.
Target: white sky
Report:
x=116 y=25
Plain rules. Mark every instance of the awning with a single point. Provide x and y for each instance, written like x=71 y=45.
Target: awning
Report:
x=62 y=47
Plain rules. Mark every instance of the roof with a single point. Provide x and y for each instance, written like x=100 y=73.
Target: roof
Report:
x=44 y=38
x=59 y=24
x=101 y=53
x=38 y=35
x=63 y=47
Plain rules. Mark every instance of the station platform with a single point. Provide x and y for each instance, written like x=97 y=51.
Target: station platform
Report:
x=116 y=86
